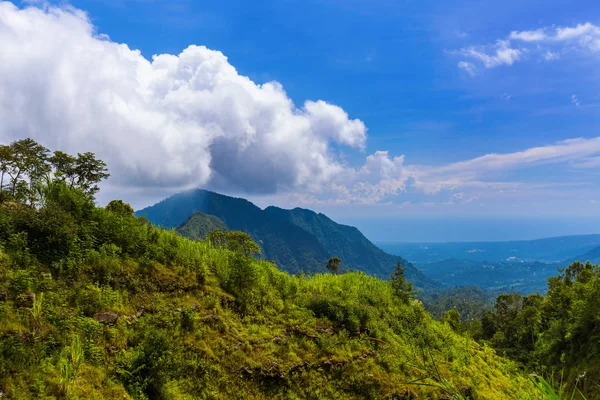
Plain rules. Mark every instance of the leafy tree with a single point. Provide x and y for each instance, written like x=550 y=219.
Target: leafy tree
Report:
x=29 y=167
x=6 y=157
x=89 y=171
x=236 y=241
x=403 y=289
x=64 y=167
x=26 y=162
x=333 y=264
x=119 y=207
x=452 y=318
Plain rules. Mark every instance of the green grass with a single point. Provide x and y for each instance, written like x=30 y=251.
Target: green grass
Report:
x=199 y=322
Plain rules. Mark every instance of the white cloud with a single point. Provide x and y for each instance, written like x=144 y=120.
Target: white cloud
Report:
x=468 y=67
x=186 y=120
x=478 y=173
x=549 y=43
x=588 y=163
x=582 y=31
x=528 y=36
x=551 y=56
x=173 y=121
x=501 y=54
x=575 y=100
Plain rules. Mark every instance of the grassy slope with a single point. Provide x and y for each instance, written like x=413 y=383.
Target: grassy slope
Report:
x=198 y=225
x=199 y=322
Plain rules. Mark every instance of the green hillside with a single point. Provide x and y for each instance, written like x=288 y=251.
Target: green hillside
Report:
x=343 y=241
x=96 y=303
x=297 y=240
x=198 y=226
x=289 y=246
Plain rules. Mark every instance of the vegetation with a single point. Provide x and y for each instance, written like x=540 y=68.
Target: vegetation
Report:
x=498 y=276
x=296 y=240
x=199 y=225
x=97 y=303
x=334 y=264
x=554 y=336
x=471 y=302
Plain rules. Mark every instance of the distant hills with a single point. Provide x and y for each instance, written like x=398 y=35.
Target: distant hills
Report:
x=547 y=250
x=522 y=266
x=498 y=276
x=297 y=240
x=592 y=256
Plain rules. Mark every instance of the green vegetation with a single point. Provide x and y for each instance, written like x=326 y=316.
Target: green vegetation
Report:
x=199 y=225
x=555 y=335
x=97 y=303
x=470 y=302
x=498 y=276
x=296 y=240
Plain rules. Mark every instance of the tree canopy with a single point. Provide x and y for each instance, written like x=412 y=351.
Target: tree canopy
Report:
x=25 y=165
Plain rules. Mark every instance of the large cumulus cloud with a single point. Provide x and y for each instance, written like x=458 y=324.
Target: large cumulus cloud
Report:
x=176 y=121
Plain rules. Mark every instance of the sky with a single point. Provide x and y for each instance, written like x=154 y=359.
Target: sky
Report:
x=379 y=113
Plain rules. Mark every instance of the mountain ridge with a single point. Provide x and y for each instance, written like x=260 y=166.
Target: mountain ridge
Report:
x=298 y=240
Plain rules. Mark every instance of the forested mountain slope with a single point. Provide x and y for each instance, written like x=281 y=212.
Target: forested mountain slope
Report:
x=289 y=246
x=96 y=303
x=199 y=225
x=296 y=240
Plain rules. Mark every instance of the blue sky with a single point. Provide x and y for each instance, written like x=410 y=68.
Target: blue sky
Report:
x=436 y=85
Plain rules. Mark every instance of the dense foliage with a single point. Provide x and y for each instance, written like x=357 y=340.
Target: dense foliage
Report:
x=199 y=225
x=98 y=303
x=557 y=334
x=296 y=240
x=471 y=302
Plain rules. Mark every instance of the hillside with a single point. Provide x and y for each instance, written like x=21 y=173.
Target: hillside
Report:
x=297 y=240
x=198 y=225
x=290 y=247
x=592 y=256
x=96 y=303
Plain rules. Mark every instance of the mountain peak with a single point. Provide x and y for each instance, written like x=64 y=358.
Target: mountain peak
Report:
x=298 y=240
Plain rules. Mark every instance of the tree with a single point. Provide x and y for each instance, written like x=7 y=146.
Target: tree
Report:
x=452 y=318
x=236 y=241
x=89 y=171
x=5 y=161
x=29 y=168
x=334 y=264
x=402 y=289
x=119 y=207
x=64 y=166
x=27 y=163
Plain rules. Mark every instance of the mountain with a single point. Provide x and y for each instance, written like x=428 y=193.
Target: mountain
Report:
x=547 y=250
x=98 y=304
x=592 y=256
x=198 y=225
x=292 y=248
x=346 y=242
x=297 y=240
